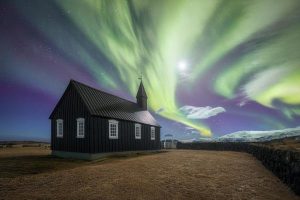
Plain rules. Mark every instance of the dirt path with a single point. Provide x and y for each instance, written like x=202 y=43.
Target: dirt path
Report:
x=180 y=174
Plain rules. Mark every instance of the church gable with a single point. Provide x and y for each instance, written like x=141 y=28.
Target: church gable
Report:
x=71 y=101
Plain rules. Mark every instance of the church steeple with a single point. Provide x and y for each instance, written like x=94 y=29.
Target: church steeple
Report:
x=141 y=97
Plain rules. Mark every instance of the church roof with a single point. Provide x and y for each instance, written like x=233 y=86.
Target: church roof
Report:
x=100 y=103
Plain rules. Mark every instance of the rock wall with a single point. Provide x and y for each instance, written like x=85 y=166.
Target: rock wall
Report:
x=284 y=164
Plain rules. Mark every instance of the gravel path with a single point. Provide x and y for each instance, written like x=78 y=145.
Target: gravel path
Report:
x=178 y=174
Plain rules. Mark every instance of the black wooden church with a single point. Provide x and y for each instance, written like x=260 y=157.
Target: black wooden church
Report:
x=87 y=123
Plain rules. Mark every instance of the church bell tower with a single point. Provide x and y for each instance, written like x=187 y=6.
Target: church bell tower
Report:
x=141 y=97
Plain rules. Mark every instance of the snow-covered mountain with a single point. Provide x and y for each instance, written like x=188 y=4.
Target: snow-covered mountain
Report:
x=257 y=136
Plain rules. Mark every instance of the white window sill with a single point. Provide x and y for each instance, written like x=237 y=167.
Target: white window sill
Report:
x=80 y=136
x=113 y=138
x=59 y=136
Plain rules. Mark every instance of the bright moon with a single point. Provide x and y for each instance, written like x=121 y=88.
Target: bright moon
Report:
x=182 y=65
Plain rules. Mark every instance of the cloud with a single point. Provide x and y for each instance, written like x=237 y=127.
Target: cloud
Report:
x=242 y=103
x=189 y=128
x=193 y=112
x=160 y=110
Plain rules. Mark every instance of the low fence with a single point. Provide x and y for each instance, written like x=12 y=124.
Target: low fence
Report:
x=283 y=163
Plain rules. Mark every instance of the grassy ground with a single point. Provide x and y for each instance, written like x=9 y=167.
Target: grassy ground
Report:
x=20 y=161
x=286 y=144
x=178 y=174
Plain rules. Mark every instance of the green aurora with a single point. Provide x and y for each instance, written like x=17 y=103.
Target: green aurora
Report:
x=251 y=48
x=156 y=35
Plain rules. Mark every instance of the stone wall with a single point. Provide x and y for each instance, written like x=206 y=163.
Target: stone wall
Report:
x=283 y=163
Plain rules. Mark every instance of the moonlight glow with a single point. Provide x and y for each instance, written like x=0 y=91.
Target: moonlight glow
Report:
x=182 y=65
x=107 y=44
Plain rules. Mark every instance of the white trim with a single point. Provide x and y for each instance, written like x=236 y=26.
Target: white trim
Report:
x=115 y=132
x=138 y=134
x=59 y=132
x=79 y=122
x=152 y=132
x=113 y=121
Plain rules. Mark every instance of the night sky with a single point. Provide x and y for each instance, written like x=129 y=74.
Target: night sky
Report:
x=209 y=67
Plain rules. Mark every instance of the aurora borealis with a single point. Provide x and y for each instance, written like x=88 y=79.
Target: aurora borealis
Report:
x=237 y=61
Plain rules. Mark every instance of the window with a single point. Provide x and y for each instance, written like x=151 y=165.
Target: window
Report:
x=137 y=131
x=80 y=128
x=152 y=133
x=59 y=128
x=113 y=129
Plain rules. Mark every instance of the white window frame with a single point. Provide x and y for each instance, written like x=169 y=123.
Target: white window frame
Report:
x=59 y=133
x=138 y=134
x=116 y=123
x=152 y=132
x=80 y=120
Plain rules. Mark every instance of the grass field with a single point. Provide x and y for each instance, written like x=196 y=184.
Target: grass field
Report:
x=31 y=173
x=292 y=144
x=16 y=162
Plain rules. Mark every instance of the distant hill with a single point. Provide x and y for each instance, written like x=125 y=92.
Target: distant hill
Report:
x=24 y=137
x=21 y=142
x=260 y=136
